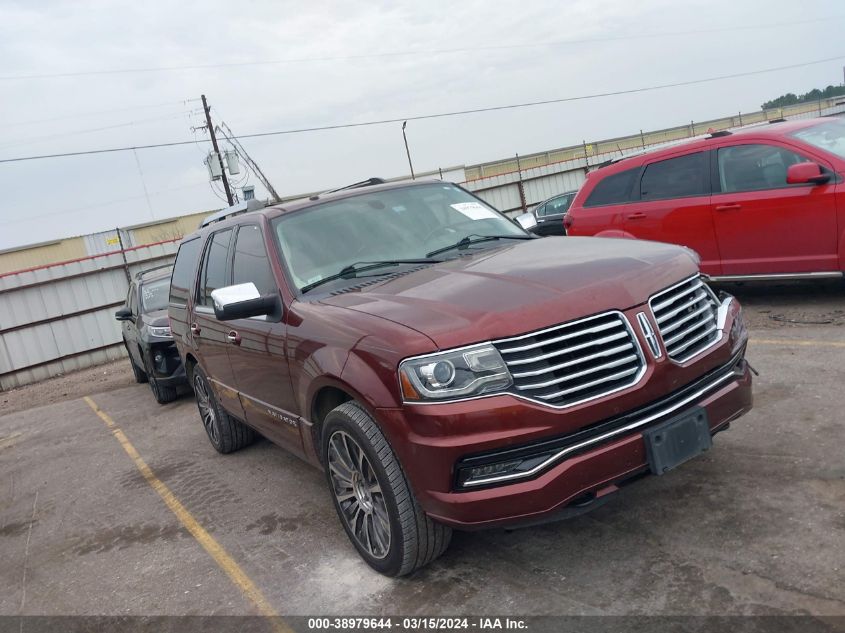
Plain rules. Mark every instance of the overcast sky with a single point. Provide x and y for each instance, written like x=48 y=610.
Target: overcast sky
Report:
x=537 y=59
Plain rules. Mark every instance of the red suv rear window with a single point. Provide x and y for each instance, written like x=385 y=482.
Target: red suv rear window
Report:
x=614 y=189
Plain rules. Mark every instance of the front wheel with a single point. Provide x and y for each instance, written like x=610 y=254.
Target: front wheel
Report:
x=375 y=504
x=139 y=374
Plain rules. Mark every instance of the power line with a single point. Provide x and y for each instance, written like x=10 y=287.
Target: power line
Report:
x=439 y=115
x=467 y=49
x=50 y=137
x=81 y=115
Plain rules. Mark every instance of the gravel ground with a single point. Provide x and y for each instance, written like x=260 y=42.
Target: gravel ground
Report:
x=71 y=386
x=791 y=305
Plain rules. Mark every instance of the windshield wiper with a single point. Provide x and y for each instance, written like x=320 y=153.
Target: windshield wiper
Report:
x=352 y=270
x=475 y=239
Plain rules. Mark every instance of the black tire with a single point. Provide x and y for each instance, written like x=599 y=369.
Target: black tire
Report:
x=140 y=374
x=163 y=393
x=225 y=433
x=414 y=539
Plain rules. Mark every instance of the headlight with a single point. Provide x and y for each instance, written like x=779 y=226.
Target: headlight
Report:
x=469 y=371
x=161 y=332
x=739 y=331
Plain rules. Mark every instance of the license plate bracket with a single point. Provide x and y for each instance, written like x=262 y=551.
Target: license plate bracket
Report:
x=677 y=440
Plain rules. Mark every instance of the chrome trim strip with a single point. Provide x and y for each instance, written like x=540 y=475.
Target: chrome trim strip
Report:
x=578 y=374
x=563 y=392
x=676 y=311
x=779 y=276
x=563 y=337
x=605 y=436
x=577 y=361
x=675 y=296
x=712 y=328
x=688 y=317
x=566 y=350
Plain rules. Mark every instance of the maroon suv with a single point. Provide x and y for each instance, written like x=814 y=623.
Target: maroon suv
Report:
x=444 y=367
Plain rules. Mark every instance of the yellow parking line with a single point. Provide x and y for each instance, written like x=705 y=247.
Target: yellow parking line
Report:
x=208 y=542
x=800 y=342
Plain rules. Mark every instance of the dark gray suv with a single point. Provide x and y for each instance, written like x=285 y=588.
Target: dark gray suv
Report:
x=146 y=334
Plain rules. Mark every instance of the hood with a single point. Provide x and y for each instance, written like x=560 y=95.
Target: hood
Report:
x=521 y=287
x=157 y=318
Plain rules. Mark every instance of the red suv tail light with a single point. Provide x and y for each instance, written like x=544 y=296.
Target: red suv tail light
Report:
x=568 y=221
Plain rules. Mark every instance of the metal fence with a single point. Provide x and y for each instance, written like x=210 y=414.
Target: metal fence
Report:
x=59 y=318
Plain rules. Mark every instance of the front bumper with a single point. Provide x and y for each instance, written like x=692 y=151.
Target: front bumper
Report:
x=594 y=447
x=166 y=364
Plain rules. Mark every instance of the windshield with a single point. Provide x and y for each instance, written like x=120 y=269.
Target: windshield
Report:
x=829 y=136
x=406 y=223
x=154 y=295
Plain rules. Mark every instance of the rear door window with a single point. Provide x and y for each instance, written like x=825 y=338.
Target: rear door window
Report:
x=250 y=263
x=615 y=189
x=755 y=167
x=215 y=266
x=183 y=271
x=679 y=177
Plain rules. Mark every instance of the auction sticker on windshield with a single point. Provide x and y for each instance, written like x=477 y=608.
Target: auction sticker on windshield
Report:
x=474 y=210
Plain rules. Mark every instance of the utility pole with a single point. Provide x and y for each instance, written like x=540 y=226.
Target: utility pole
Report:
x=407 y=151
x=217 y=151
x=230 y=136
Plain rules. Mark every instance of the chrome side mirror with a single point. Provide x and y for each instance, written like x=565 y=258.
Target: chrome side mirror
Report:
x=527 y=221
x=243 y=301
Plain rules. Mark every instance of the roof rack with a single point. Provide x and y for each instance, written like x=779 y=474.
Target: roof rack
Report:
x=247 y=206
x=141 y=273
x=369 y=182
x=719 y=134
x=780 y=120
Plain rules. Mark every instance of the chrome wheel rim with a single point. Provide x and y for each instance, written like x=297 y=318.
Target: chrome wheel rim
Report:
x=206 y=408
x=358 y=494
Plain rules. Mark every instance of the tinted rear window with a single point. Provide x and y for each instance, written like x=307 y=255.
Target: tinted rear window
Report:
x=675 y=178
x=614 y=189
x=183 y=271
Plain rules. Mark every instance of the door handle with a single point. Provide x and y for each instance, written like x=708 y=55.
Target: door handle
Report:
x=195 y=329
x=639 y=215
x=731 y=206
x=233 y=337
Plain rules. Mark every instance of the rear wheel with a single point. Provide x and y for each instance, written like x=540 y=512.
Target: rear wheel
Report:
x=375 y=504
x=225 y=432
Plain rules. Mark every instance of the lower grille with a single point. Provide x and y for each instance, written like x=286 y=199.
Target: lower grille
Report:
x=686 y=318
x=536 y=457
x=574 y=362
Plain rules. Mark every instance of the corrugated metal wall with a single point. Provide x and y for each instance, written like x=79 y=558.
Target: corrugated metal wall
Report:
x=60 y=318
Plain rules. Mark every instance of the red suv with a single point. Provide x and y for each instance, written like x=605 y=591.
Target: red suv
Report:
x=444 y=367
x=764 y=202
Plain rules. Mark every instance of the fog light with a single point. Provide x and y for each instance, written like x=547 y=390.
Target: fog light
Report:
x=499 y=471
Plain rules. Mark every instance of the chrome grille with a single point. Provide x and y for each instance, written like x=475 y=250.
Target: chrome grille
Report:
x=686 y=318
x=574 y=362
